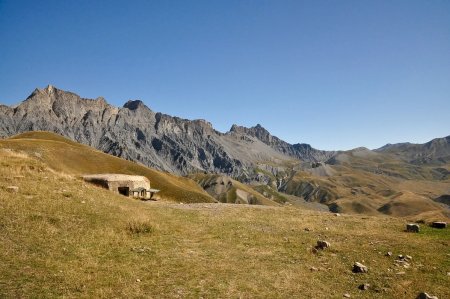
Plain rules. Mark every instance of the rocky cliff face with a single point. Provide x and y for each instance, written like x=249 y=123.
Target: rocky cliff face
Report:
x=158 y=140
x=300 y=151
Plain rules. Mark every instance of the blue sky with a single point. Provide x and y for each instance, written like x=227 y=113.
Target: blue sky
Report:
x=335 y=74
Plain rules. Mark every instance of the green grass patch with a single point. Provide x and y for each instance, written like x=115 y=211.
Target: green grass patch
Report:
x=136 y=227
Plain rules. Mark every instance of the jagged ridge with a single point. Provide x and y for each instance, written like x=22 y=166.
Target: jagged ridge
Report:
x=158 y=140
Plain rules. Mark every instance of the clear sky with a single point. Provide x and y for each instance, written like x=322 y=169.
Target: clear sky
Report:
x=335 y=74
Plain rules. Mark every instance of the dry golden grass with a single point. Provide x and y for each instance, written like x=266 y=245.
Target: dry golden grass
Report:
x=61 y=237
x=66 y=156
x=358 y=191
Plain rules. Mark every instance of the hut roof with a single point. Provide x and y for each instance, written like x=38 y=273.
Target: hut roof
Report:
x=116 y=177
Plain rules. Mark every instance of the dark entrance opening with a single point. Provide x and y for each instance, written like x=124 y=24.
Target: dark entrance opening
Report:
x=124 y=191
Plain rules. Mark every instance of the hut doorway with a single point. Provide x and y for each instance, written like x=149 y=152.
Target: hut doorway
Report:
x=124 y=191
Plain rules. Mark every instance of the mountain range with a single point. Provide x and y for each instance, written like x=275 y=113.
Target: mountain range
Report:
x=360 y=180
x=137 y=133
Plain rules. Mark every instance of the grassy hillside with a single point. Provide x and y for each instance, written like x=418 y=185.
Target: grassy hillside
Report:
x=66 y=156
x=374 y=183
x=61 y=237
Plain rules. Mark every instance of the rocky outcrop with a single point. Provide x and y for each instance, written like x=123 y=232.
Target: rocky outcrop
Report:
x=300 y=151
x=137 y=133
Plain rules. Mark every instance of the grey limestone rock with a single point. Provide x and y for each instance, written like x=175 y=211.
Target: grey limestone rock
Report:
x=137 y=133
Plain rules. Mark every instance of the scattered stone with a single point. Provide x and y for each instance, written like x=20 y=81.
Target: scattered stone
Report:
x=83 y=201
x=388 y=253
x=140 y=249
x=18 y=177
x=337 y=214
x=401 y=273
x=439 y=224
x=12 y=189
x=408 y=257
x=307 y=229
x=364 y=286
x=313 y=269
x=359 y=268
x=412 y=228
x=346 y=295
x=400 y=257
x=424 y=295
x=322 y=245
x=138 y=280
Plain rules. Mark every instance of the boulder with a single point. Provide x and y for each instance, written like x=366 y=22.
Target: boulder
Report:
x=424 y=295
x=364 y=286
x=322 y=244
x=439 y=224
x=412 y=228
x=12 y=189
x=359 y=268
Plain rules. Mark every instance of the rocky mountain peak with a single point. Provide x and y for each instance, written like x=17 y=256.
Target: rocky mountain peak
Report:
x=50 y=89
x=255 y=131
x=101 y=101
x=203 y=123
x=134 y=105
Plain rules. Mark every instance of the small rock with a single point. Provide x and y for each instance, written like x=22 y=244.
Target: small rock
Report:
x=313 y=269
x=364 y=286
x=439 y=224
x=401 y=273
x=12 y=189
x=400 y=257
x=138 y=280
x=412 y=228
x=424 y=295
x=83 y=201
x=346 y=295
x=307 y=229
x=322 y=245
x=388 y=253
x=408 y=257
x=359 y=268
x=337 y=214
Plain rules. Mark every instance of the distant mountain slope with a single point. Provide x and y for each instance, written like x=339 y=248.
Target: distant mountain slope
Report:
x=69 y=157
x=158 y=140
x=436 y=151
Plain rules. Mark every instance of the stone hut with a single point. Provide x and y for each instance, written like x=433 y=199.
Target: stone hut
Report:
x=128 y=185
